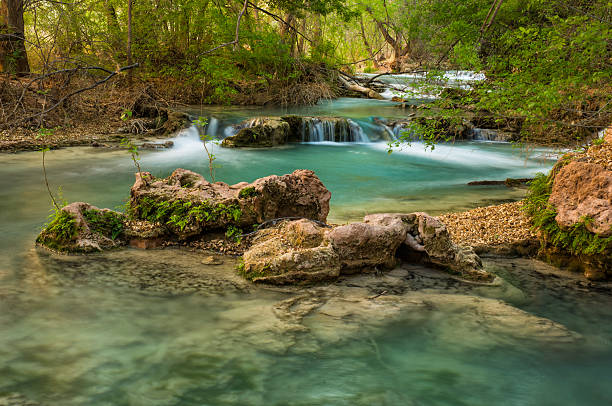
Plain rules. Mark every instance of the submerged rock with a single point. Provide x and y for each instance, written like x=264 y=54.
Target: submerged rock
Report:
x=81 y=227
x=302 y=251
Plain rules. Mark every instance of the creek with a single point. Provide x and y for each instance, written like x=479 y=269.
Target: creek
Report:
x=158 y=327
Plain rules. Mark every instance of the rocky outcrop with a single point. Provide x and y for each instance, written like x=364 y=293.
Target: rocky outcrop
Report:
x=302 y=251
x=188 y=205
x=260 y=133
x=583 y=190
x=274 y=131
x=291 y=253
x=81 y=228
x=573 y=208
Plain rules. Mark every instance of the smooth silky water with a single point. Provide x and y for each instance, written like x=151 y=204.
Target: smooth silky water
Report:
x=159 y=328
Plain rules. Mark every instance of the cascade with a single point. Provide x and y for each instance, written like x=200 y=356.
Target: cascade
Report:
x=357 y=134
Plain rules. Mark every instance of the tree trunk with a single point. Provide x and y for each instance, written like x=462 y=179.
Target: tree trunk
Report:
x=129 y=39
x=13 y=56
x=395 y=43
x=367 y=45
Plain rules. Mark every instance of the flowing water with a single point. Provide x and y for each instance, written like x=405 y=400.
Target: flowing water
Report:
x=159 y=328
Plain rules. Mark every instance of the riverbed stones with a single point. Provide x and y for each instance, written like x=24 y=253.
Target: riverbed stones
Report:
x=81 y=228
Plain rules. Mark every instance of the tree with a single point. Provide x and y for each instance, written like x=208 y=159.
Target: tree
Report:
x=13 y=56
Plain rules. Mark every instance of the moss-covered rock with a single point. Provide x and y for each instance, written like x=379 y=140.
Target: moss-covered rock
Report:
x=81 y=227
x=570 y=207
x=263 y=132
x=188 y=205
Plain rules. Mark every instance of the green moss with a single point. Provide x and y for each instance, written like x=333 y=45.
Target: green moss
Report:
x=59 y=232
x=247 y=192
x=577 y=240
x=233 y=232
x=180 y=213
x=251 y=275
x=106 y=223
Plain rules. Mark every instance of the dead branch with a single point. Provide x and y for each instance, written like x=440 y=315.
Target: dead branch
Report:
x=236 y=38
x=66 y=97
x=279 y=19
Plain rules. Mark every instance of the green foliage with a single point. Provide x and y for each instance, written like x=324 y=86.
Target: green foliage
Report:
x=106 y=223
x=61 y=227
x=577 y=239
x=247 y=192
x=180 y=213
x=233 y=232
x=209 y=142
x=252 y=274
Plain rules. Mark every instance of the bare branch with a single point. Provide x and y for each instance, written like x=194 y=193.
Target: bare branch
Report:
x=280 y=19
x=237 y=37
x=84 y=89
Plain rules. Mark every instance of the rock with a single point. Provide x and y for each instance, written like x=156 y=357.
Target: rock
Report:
x=189 y=205
x=211 y=260
x=303 y=251
x=368 y=244
x=81 y=227
x=441 y=250
x=584 y=190
x=153 y=145
x=261 y=132
x=293 y=252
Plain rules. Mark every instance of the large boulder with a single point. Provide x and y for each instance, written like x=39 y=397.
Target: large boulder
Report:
x=260 y=133
x=80 y=228
x=583 y=190
x=370 y=243
x=427 y=238
x=303 y=251
x=293 y=252
x=188 y=205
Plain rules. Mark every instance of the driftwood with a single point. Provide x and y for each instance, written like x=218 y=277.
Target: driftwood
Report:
x=509 y=182
x=356 y=87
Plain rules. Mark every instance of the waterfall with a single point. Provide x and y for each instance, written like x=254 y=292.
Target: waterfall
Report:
x=311 y=129
x=392 y=133
x=212 y=127
x=315 y=129
x=357 y=134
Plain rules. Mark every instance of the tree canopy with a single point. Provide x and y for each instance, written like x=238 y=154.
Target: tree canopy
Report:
x=548 y=61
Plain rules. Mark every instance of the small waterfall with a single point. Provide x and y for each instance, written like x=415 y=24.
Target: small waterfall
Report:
x=357 y=134
x=392 y=133
x=315 y=129
x=212 y=127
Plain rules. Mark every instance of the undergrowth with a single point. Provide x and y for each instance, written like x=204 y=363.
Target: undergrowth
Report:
x=106 y=223
x=179 y=213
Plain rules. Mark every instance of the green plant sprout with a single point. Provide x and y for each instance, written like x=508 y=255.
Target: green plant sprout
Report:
x=129 y=145
x=42 y=134
x=208 y=139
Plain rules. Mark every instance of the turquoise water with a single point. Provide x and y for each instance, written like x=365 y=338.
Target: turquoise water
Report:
x=159 y=328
